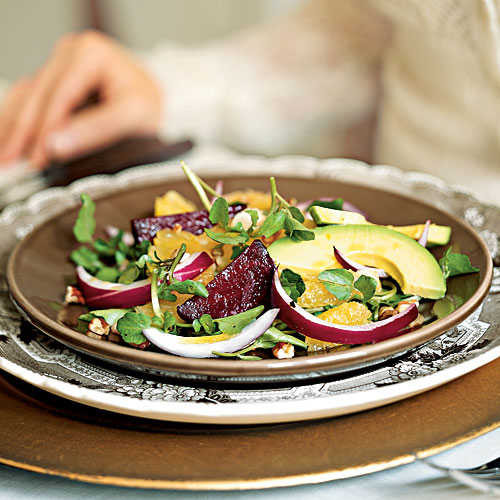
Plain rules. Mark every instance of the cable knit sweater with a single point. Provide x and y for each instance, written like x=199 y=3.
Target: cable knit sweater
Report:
x=410 y=83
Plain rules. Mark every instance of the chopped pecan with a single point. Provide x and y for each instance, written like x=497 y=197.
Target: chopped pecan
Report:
x=405 y=304
x=73 y=296
x=418 y=321
x=283 y=350
x=386 y=312
x=99 y=326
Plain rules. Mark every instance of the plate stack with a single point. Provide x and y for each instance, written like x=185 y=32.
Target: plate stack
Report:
x=115 y=386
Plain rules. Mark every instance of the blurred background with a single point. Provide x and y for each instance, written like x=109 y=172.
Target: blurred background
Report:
x=29 y=29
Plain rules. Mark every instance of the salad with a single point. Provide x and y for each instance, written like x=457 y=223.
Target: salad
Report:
x=256 y=275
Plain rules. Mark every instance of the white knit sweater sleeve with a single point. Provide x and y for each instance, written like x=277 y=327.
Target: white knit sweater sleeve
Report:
x=297 y=84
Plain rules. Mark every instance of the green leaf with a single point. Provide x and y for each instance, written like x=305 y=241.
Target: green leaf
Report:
x=137 y=250
x=165 y=294
x=293 y=284
x=338 y=282
x=367 y=285
x=274 y=335
x=238 y=250
x=169 y=322
x=237 y=228
x=266 y=341
x=111 y=316
x=142 y=261
x=106 y=273
x=459 y=290
x=104 y=248
x=454 y=264
x=190 y=287
x=157 y=322
x=297 y=231
x=129 y=275
x=296 y=214
x=86 y=317
x=334 y=204
x=120 y=257
x=131 y=326
x=207 y=323
x=85 y=223
x=219 y=213
x=228 y=238
x=273 y=223
x=86 y=258
x=197 y=326
x=254 y=216
x=234 y=324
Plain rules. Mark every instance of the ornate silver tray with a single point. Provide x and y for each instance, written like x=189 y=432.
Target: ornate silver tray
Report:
x=36 y=358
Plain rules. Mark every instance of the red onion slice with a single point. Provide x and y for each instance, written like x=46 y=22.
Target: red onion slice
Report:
x=347 y=263
x=425 y=233
x=105 y=294
x=307 y=324
x=190 y=347
x=192 y=265
x=219 y=189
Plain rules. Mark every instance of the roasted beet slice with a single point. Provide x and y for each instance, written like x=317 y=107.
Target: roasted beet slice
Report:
x=245 y=283
x=194 y=222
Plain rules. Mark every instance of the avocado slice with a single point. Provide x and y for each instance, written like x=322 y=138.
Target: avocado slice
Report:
x=438 y=235
x=413 y=267
x=322 y=216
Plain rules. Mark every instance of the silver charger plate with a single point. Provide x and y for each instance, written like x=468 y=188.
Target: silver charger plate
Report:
x=47 y=364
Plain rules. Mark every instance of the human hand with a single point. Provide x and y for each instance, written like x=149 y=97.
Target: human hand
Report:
x=39 y=116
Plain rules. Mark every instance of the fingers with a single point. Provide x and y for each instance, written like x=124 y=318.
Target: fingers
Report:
x=24 y=117
x=78 y=79
x=8 y=111
x=41 y=117
x=113 y=121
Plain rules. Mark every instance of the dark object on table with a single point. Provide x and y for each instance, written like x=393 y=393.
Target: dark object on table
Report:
x=193 y=222
x=244 y=284
x=124 y=154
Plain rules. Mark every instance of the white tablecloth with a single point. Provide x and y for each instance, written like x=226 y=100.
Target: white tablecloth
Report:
x=415 y=481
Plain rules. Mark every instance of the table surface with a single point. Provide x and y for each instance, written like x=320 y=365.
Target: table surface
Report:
x=413 y=481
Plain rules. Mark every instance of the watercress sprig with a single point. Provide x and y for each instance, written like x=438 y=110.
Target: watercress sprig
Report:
x=266 y=341
x=85 y=223
x=163 y=281
x=455 y=264
x=282 y=215
x=341 y=284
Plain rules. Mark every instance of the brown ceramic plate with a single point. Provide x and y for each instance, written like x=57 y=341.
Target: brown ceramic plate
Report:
x=43 y=433
x=39 y=265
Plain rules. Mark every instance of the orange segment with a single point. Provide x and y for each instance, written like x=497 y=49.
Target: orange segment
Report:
x=316 y=295
x=348 y=313
x=173 y=203
x=168 y=241
x=252 y=198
